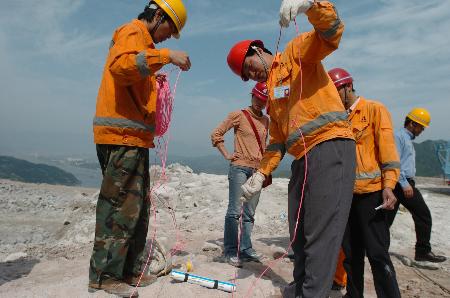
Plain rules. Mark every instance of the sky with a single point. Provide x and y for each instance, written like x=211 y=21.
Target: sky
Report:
x=52 y=53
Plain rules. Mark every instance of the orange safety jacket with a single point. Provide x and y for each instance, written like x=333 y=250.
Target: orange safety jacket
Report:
x=340 y=275
x=126 y=101
x=377 y=161
x=319 y=114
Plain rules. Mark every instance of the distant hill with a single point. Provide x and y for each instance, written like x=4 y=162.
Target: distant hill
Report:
x=427 y=162
x=24 y=171
x=59 y=169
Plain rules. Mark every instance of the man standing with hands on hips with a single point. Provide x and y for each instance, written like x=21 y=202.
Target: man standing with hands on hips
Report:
x=307 y=120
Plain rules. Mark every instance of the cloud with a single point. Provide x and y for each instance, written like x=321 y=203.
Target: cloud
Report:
x=52 y=53
x=398 y=53
x=42 y=83
x=222 y=18
x=37 y=29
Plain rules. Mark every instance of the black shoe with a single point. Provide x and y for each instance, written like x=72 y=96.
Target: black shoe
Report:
x=337 y=287
x=429 y=257
x=250 y=255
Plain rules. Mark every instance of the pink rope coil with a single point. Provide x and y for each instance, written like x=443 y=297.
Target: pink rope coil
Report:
x=164 y=104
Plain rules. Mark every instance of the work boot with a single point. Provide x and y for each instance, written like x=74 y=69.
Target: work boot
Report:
x=337 y=287
x=114 y=287
x=146 y=280
x=250 y=255
x=429 y=257
x=233 y=261
x=288 y=291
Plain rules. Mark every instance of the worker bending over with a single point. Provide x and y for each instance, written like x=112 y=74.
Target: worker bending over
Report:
x=307 y=120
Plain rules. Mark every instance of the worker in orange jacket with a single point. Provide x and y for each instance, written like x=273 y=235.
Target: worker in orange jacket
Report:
x=124 y=127
x=377 y=172
x=340 y=276
x=306 y=118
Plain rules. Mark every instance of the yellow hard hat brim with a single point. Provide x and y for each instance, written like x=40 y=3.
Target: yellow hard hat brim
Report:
x=418 y=121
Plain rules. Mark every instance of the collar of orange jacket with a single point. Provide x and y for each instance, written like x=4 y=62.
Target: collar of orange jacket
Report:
x=147 y=37
x=275 y=62
x=359 y=103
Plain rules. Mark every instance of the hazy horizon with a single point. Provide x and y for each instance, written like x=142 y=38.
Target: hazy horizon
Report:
x=52 y=53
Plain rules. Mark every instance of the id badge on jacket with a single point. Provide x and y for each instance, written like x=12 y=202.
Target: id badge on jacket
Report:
x=281 y=92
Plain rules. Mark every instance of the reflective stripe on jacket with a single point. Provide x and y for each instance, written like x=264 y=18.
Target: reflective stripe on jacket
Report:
x=378 y=165
x=319 y=114
x=126 y=101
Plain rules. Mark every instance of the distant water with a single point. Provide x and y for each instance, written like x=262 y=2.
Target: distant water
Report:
x=88 y=177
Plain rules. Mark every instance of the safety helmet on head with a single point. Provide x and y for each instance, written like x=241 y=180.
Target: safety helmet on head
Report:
x=340 y=77
x=260 y=91
x=420 y=115
x=237 y=54
x=176 y=11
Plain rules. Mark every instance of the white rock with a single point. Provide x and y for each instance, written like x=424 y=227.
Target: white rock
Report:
x=166 y=192
x=15 y=256
x=210 y=247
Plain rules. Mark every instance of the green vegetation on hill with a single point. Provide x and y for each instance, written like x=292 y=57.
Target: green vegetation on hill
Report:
x=24 y=171
x=427 y=162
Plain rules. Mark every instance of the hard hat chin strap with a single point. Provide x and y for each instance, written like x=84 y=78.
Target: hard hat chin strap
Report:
x=264 y=63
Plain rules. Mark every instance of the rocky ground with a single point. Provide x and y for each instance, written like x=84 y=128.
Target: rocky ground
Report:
x=46 y=235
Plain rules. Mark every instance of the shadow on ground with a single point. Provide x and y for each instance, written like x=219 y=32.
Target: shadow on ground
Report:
x=439 y=190
x=277 y=241
x=13 y=270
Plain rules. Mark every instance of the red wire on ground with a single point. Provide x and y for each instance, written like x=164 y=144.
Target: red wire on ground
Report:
x=239 y=243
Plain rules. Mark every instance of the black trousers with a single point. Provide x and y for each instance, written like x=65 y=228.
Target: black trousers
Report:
x=324 y=214
x=420 y=213
x=367 y=234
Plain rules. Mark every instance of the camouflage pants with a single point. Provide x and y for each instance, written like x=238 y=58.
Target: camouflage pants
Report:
x=122 y=214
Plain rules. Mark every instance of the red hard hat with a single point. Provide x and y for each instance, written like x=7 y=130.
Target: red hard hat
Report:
x=260 y=91
x=237 y=53
x=340 y=77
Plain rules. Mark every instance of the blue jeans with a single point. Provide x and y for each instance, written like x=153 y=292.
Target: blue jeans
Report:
x=237 y=176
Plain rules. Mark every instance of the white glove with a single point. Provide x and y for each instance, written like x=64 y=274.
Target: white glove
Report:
x=252 y=186
x=289 y=9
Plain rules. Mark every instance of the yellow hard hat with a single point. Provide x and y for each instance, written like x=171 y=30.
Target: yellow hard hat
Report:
x=176 y=11
x=420 y=115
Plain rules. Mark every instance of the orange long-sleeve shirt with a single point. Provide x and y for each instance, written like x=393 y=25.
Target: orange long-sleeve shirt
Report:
x=302 y=98
x=245 y=145
x=377 y=161
x=126 y=101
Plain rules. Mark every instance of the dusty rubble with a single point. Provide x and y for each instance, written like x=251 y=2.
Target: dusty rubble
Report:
x=46 y=237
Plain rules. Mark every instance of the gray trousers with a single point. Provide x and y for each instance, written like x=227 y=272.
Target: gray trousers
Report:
x=323 y=217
